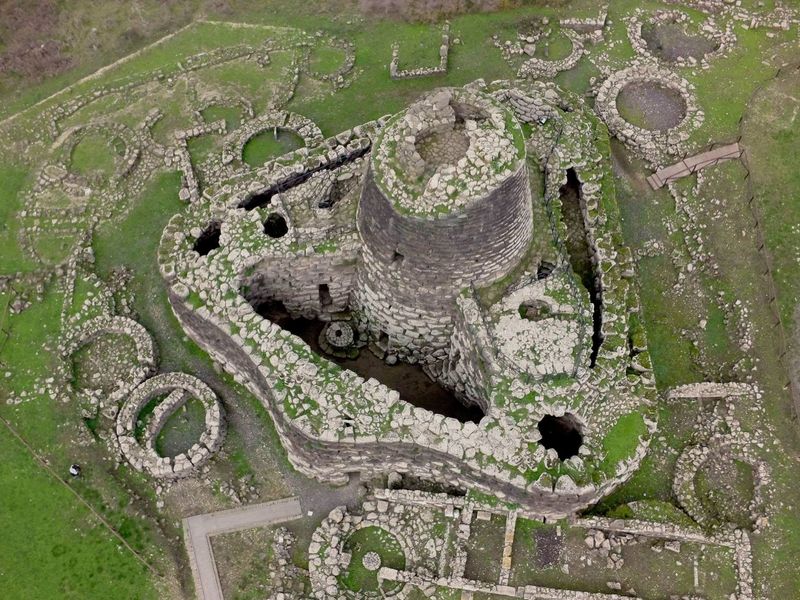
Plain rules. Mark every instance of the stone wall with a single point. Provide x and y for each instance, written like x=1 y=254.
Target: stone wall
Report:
x=179 y=387
x=412 y=268
x=395 y=72
x=332 y=461
x=295 y=281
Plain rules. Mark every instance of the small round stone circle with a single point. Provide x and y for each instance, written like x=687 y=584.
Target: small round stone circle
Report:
x=178 y=388
x=653 y=144
x=340 y=334
x=371 y=561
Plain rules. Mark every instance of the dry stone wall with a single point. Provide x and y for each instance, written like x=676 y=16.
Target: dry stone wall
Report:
x=179 y=387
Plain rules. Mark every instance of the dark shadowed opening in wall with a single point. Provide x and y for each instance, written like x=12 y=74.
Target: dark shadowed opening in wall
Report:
x=580 y=253
x=208 y=240
x=325 y=299
x=562 y=434
x=275 y=226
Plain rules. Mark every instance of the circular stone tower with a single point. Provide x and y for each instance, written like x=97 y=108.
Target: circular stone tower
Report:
x=446 y=204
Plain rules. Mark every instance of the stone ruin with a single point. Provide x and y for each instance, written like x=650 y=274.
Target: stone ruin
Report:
x=418 y=232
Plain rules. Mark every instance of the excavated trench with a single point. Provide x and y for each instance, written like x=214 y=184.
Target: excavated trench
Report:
x=580 y=253
x=412 y=383
x=264 y=197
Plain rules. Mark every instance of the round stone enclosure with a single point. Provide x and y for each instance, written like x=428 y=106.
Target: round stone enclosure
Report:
x=272 y=121
x=675 y=38
x=446 y=151
x=177 y=389
x=441 y=148
x=672 y=42
x=145 y=353
x=650 y=88
x=563 y=434
x=651 y=105
x=371 y=547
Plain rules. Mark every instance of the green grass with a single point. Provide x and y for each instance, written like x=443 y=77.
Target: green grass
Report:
x=326 y=59
x=371 y=539
x=266 y=145
x=12 y=182
x=231 y=115
x=419 y=46
x=51 y=544
x=93 y=154
x=183 y=428
x=771 y=132
x=556 y=46
x=622 y=439
x=27 y=354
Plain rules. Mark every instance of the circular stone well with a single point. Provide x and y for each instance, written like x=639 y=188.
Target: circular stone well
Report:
x=340 y=334
x=651 y=105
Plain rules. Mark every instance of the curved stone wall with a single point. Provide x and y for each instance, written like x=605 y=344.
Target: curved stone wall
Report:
x=413 y=267
x=179 y=387
x=332 y=460
x=653 y=144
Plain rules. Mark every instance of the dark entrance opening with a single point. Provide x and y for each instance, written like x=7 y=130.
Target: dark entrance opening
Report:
x=562 y=434
x=325 y=299
x=208 y=240
x=261 y=199
x=580 y=253
x=275 y=226
x=544 y=269
x=410 y=381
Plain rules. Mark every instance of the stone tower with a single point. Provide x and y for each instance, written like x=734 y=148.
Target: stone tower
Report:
x=446 y=204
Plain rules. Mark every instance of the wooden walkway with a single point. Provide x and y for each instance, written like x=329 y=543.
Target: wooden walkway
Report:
x=689 y=165
x=199 y=529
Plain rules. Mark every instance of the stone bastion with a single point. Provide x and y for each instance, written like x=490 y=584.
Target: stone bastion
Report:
x=415 y=234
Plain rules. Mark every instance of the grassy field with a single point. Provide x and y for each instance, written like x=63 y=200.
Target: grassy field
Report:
x=60 y=545
x=61 y=548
